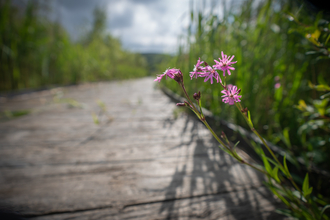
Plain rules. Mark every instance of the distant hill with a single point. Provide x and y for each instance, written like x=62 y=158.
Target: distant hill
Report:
x=153 y=60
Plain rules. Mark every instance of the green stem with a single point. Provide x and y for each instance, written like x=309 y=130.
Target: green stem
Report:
x=190 y=102
x=221 y=142
x=214 y=134
x=268 y=148
x=202 y=118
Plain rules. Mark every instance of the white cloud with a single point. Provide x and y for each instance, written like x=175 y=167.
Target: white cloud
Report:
x=142 y=25
x=155 y=26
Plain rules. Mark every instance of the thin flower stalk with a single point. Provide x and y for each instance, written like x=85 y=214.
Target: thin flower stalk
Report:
x=239 y=107
x=304 y=206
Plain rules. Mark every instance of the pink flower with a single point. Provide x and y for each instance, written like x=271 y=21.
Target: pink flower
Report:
x=209 y=73
x=172 y=73
x=231 y=95
x=197 y=68
x=277 y=85
x=224 y=64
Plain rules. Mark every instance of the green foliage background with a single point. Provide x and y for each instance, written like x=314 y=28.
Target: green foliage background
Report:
x=270 y=47
x=36 y=52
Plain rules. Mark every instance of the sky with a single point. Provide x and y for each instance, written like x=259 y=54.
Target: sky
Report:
x=146 y=26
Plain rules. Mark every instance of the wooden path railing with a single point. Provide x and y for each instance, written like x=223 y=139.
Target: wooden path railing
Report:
x=140 y=162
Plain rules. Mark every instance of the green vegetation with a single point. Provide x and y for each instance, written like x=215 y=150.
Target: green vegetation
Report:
x=13 y=114
x=37 y=52
x=282 y=53
x=274 y=42
x=154 y=61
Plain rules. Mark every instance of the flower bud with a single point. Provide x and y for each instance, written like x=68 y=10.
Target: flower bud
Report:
x=185 y=104
x=244 y=110
x=223 y=135
x=178 y=77
x=197 y=96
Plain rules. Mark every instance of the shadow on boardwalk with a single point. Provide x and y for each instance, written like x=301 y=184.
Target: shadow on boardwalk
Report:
x=55 y=163
x=205 y=177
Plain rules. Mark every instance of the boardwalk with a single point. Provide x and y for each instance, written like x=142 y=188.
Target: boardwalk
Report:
x=140 y=162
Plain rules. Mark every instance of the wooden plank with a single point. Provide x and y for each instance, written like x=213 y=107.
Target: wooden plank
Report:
x=56 y=164
x=226 y=206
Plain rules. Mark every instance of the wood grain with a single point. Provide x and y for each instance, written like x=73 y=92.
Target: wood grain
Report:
x=140 y=162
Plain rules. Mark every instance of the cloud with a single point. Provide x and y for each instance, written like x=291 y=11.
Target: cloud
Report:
x=145 y=1
x=142 y=25
x=77 y=5
x=155 y=27
x=120 y=14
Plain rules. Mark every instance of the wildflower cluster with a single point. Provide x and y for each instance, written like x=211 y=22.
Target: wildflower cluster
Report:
x=231 y=95
x=203 y=69
x=302 y=200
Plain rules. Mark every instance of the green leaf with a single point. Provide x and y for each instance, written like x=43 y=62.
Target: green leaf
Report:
x=285 y=166
x=322 y=88
x=305 y=186
x=267 y=165
x=272 y=161
x=236 y=145
x=234 y=151
x=226 y=150
x=313 y=37
x=310 y=190
x=322 y=81
x=200 y=102
x=321 y=105
x=286 y=137
x=249 y=119
x=275 y=192
x=275 y=174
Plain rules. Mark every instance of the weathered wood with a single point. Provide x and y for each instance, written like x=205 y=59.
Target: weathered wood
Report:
x=143 y=163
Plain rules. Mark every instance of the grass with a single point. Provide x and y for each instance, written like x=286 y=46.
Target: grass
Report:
x=5 y=115
x=36 y=52
x=270 y=47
